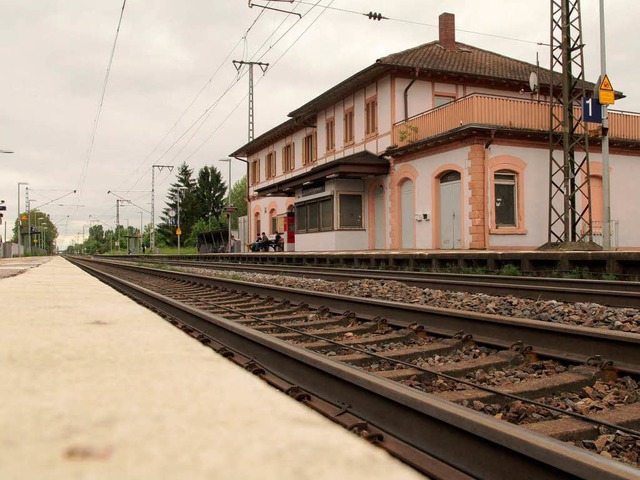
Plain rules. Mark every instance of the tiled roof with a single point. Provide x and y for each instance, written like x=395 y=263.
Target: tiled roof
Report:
x=464 y=60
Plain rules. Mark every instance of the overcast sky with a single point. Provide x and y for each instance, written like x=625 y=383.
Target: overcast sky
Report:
x=54 y=56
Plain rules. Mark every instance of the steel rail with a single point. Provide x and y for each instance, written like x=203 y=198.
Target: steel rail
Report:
x=566 y=342
x=470 y=441
x=605 y=292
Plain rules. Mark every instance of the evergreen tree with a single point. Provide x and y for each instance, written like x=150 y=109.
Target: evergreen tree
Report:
x=210 y=194
x=188 y=208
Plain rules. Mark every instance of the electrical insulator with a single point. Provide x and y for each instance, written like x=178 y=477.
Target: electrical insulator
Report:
x=375 y=16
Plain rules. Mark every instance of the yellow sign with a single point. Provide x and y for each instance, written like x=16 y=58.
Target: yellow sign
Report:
x=23 y=217
x=178 y=231
x=605 y=92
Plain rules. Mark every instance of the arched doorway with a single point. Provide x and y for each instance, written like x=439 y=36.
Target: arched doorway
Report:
x=450 y=210
x=379 y=222
x=407 y=209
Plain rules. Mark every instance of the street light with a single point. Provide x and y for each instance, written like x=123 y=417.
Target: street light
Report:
x=19 y=217
x=43 y=245
x=178 y=231
x=228 y=204
x=29 y=202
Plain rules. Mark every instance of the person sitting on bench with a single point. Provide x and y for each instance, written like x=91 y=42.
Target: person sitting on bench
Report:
x=265 y=242
x=278 y=243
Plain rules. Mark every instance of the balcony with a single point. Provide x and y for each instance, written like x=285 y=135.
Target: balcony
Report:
x=500 y=112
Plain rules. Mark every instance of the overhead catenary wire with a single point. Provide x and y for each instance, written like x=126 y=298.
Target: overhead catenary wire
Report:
x=96 y=121
x=257 y=82
x=204 y=115
x=415 y=22
x=238 y=78
x=199 y=93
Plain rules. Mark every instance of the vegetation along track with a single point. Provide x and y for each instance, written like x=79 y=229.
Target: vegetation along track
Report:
x=606 y=292
x=477 y=387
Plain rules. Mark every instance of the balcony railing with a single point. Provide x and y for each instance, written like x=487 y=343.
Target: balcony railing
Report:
x=502 y=112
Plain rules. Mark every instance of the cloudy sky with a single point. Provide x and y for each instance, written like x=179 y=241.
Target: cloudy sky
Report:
x=173 y=94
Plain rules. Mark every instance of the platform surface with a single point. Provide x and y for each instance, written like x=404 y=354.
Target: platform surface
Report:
x=94 y=386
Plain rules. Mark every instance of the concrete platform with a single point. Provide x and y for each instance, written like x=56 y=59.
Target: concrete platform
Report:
x=93 y=386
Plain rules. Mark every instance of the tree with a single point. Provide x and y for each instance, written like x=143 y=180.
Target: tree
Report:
x=239 y=200
x=188 y=208
x=210 y=193
x=43 y=232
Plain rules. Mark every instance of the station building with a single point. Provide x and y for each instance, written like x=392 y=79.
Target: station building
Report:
x=442 y=146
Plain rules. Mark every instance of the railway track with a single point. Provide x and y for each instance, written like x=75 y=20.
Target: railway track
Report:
x=605 y=292
x=477 y=399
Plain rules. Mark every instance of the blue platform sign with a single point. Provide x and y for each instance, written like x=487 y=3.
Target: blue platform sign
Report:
x=591 y=110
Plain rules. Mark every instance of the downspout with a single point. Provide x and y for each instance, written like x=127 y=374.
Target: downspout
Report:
x=406 y=94
x=488 y=194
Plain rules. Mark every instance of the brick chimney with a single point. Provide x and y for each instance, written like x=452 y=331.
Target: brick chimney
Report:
x=447 y=22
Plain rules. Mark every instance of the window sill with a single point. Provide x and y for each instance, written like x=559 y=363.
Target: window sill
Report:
x=350 y=143
x=368 y=136
x=508 y=231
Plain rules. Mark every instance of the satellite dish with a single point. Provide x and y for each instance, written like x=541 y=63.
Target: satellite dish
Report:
x=533 y=82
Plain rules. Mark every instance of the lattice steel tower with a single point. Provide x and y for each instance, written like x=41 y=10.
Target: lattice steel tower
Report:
x=263 y=66
x=569 y=182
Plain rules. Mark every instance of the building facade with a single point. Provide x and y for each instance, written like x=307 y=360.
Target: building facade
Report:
x=443 y=146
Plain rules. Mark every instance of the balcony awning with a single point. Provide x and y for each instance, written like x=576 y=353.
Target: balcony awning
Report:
x=359 y=165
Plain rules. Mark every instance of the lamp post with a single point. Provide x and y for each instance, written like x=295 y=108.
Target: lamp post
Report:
x=29 y=202
x=178 y=231
x=44 y=239
x=19 y=217
x=228 y=204
x=38 y=236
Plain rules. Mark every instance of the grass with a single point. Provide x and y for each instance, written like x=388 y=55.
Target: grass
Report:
x=509 y=270
x=174 y=250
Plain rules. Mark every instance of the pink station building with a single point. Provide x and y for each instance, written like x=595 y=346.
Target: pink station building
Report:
x=442 y=146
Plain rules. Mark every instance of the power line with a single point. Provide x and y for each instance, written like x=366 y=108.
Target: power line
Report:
x=104 y=91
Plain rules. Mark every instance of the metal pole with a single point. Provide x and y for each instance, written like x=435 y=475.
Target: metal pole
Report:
x=141 y=234
x=178 y=228
x=28 y=218
x=118 y=222
x=19 y=218
x=152 y=233
x=606 y=187
x=229 y=212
